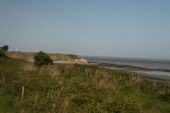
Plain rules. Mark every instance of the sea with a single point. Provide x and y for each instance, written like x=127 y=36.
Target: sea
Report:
x=156 y=68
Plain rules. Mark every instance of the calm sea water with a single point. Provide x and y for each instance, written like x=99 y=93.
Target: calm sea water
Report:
x=146 y=63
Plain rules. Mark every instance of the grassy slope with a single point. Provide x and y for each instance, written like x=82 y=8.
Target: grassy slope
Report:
x=30 y=55
x=77 y=89
x=65 y=56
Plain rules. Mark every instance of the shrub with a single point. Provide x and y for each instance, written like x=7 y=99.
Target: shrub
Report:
x=41 y=59
x=2 y=55
x=4 y=48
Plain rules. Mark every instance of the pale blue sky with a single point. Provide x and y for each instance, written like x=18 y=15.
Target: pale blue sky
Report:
x=118 y=28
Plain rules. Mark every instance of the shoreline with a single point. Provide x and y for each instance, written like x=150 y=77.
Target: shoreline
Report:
x=136 y=69
x=129 y=67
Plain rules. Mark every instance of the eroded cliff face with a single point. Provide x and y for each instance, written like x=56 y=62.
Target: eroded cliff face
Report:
x=57 y=58
x=81 y=61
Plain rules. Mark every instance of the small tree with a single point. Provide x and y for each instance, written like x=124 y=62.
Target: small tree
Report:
x=41 y=59
x=5 y=48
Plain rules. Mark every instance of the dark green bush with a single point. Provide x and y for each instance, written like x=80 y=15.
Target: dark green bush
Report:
x=41 y=59
x=4 y=48
x=2 y=55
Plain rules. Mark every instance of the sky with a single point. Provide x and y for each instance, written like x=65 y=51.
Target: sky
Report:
x=111 y=28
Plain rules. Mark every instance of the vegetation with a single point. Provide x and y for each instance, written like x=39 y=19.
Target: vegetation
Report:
x=2 y=54
x=41 y=59
x=30 y=56
x=4 y=48
x=66 y=57
x=77 y=89
x=72 y=56
x=3 y=51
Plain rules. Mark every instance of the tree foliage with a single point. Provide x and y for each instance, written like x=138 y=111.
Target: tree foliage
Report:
x=41 y=59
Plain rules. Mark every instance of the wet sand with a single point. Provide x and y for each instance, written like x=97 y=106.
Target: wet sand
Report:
x=153 y=73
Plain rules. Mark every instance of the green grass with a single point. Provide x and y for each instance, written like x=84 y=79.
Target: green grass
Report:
x=7 y=103
x=77 y=89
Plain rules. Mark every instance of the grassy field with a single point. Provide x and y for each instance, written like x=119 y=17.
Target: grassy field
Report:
x=77 y=89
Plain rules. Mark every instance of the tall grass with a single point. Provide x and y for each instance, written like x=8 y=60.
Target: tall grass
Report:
x=76 y=88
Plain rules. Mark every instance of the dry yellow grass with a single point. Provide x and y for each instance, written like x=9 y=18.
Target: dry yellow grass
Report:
x=51 y=70
x=29 y=56
x=28 y=66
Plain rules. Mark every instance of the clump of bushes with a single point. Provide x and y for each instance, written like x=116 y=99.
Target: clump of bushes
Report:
x=41 y=59
x=3 y=51
x=4 y=48
x=2 y=55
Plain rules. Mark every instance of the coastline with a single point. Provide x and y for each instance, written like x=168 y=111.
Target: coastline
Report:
x=130 y=67
x=143 y=71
